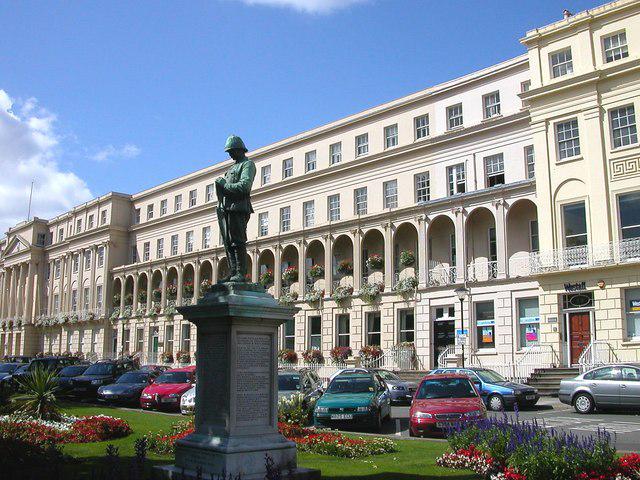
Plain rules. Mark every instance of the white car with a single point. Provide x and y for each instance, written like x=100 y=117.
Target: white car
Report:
x=188 y=401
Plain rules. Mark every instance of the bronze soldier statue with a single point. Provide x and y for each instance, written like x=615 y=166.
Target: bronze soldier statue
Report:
x=234 y=208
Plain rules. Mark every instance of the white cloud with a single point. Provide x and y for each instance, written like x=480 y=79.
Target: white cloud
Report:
x=110 y=152
x=307 y=6
x=29 y=151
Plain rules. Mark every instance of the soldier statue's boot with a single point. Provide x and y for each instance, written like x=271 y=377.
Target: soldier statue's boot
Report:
x=231 y=262
x=241 y=265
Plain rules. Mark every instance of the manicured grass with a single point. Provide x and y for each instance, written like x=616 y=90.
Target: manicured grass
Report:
x=413 y=460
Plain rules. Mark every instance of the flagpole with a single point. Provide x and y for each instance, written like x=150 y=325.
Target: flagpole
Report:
x=30 y=197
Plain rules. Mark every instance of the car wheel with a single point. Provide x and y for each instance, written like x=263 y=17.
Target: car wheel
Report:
x=495 y=403
x=583 y=403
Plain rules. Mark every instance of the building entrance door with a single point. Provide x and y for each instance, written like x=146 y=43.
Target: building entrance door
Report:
x=444 y=335
x=579 y=334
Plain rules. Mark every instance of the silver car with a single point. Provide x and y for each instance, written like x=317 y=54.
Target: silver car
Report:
x=607 y=386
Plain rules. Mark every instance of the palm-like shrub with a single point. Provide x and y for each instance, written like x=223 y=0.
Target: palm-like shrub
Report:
x=39 y=398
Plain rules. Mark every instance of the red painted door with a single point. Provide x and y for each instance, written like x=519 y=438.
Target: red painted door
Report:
x=579 y=334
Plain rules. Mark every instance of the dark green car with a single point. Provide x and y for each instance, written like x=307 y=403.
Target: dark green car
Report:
x=354 y=400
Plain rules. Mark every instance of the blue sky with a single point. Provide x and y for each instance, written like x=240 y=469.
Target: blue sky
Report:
x=124 y=95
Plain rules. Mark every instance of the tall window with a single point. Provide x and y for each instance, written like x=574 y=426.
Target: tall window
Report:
x=99 y=297
x=290 y=334
x=390 y=189
x=163 y=207
x=494 y=170
x=209 y=192
x=78 y=225
x=265 y=174
x=168 y=339
x=632 y=310
x=185 y=336
x=74 y=300
x=126 y=340
x=623 y=126
x=193 y=198
x=174 y=244
x=421 y=125
x=60 y=235
x=134 y=253
x=335 y=153
x=75 y=263
x=56 y=303
x=485 y=325
x=69 y=341
x=287 y=168
x=530 y=161
x=206 y=237
x=189 y=241
x=333 y=205
x=310 y=161
x=615 y=47
x=343 y=329
x=561 y=63
x=160 y=248
x=568 y=138
x=285 y=219
x=454 y=116
x=315 y=332
x=422 y=187
x=263 y=224
x=85 y=298
x=533 y=236
x=103 y=217
x=407 y=325
x=146 y=247
x=362 y=144
x=457 y=179
x=177 y=203
x=87 y=259
x=629 y=205
x=90 y=222
x=373 y=328
x=101 y=257
x=360 y=201
x=525 y=86
x=491 y=103
x=136 y=216
x=309 y=210
x=57 y=269
x=139 y=339
x=493 y=245
x=149 y=212
x=391 y=136
x=575 y=225
x=529 y=322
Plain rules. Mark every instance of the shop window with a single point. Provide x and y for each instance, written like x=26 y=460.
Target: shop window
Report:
x=529 y=322
x=485 y=325
x=632 y=311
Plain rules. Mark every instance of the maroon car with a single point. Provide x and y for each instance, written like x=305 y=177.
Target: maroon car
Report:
x=167 y=389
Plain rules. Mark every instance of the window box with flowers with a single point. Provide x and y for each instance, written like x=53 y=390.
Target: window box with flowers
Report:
x=407 y=258
x=406 y=287
x=286 y=355
x=170 y=309
x=167 y=357
x=339 y=355
x=316 y=272
x=183 y=356
x=370 y=352
x=369 y=292
x=342 y=293
x=187 y=290
x=127 y=312
x=345 y=267
x=313 y=355
x=266 y=278
x=288 y=298
x=375 y=262
x=314 y=295
x=154 y=311
x=290 y=275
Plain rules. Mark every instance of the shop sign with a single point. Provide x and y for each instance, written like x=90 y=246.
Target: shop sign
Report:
x=485 y=323
x=575 y=287
x=525 y=320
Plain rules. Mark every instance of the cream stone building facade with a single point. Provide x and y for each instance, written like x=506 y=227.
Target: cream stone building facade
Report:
x=519 y=182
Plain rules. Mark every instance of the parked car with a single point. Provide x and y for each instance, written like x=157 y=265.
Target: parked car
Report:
x=100 y=373
x=127 y=388
x=188 y=401
x=66 y=376
x=303 y=381
x=7 y=371
x=54 y=364
x=17 y=359
x=165 y=392
x=497 y=392
x=401 y=391
x=603 y=387
x=354 y=399
x=442 y=399
x=158 y=369
x=9 y=382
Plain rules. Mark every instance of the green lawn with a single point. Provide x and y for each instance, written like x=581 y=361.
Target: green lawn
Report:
x=413 y=460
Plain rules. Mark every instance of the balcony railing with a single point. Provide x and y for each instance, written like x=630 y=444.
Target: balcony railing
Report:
x=482 y=271
x=442 y=275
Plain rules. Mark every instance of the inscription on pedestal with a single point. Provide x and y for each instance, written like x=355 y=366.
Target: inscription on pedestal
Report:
x=211 y=356
x=253 y=379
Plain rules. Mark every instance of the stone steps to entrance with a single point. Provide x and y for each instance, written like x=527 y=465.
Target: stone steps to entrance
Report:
x=547 y=380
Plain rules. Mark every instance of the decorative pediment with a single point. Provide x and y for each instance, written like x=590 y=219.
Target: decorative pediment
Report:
x=17 y=244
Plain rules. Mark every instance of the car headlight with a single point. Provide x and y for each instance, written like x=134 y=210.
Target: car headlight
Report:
x=422 y=415
x=398 y=387
x=97 y=382
x=364 y=409
x=322 y=409
x=473 y=413
x=146 y=395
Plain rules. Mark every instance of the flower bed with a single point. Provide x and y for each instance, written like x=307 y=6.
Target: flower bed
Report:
x=68 y=430
x=499 y=448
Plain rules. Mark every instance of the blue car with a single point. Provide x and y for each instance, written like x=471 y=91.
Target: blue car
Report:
x=497 y=392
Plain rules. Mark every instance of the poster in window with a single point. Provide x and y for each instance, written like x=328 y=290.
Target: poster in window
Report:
x=531 y=333
x=487 y=334
x=634 y=305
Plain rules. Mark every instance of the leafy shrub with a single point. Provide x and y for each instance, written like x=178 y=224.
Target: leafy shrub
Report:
x=293 y=409
x=266 y=278
x=39 y=398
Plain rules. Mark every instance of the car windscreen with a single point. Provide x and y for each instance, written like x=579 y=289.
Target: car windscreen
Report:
x=446 y=388
x=352 y=385
x=133 y=378
x=288 y=382
x=8 y=367
x=388 y=376
x=489 y=376
x=173 y=377
x=100 y=369
x=73 y=370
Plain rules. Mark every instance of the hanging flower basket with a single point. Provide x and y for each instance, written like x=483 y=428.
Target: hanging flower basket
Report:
x=340 y=354
x=266 y=278
x=370 y=352
x=288 y=298
x=128 y=299
x=116 y=299
x=406 y=286
x=142 y=296
x=313 y=355
x=316 y=272
x=342 y=293
x=205 y=285
x=407 y=258
x=157 y=294
x=371 y=291
x=345 y=267
x=290 y=274
x=286 y=355
x=375 y=262
x=314 y=296
x=187 y=290
x=172 y=292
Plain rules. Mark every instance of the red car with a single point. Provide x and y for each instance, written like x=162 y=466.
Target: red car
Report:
x=441 y=400
x=165 y=391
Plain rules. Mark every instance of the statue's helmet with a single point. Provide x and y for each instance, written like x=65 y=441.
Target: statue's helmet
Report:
x=234 y=142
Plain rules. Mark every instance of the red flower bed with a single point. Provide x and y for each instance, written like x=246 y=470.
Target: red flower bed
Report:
x=97 y=429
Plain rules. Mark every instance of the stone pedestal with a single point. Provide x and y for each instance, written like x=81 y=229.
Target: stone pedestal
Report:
x=236 y=398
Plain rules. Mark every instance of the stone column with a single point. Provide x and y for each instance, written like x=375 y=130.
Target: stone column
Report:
x=52 y=275
x=328 y=264
x=134 y=303
x=357 y=258
x=423 y=251
x=149 y=289
x=28 y=294
x=12 y=293
x=196 y=280
x=163 y=287
x=69 y=282
x=214 y=269
x=255 y=258
x=389 y=272
x=277 y=271
x=501 y=239
x=461 y=245
x=123 y=290
x=20 y=291
x=302 y=269
x=92 y=278
x=2 y=297
x=180 y=269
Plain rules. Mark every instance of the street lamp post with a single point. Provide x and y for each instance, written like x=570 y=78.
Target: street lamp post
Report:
x=462 y=293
